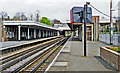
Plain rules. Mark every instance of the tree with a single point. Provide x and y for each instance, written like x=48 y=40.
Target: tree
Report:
x=55 y=21
x=31 y=17
x=37 y=15
x=3 y=15
x=20 y=16
x=45 y=20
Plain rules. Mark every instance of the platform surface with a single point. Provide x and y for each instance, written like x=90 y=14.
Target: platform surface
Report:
x=72 y=55
x=8 y=44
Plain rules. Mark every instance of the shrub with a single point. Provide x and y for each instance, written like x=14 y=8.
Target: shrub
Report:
x=118 y=50
x=114 y=49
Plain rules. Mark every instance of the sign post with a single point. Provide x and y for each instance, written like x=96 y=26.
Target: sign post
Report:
x=85 y=16
x=81 y=15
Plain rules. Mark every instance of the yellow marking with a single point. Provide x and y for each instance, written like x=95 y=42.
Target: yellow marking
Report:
x=84 y=56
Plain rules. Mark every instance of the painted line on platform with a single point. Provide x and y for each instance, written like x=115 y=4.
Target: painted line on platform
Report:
x=60 y=64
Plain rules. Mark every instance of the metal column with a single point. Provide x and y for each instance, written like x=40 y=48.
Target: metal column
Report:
x=85 y=15
x=46 y=33
x=43 y=33
x=39 y=34
x=49 y=33
x=19 y=32
x=96 y=29
x=34 y=33
x=58 y=34
x=28 y=33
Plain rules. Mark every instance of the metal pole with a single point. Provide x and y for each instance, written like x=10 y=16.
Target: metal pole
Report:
x=28 y=33
x=118 y=19
x=111 y=25
x=85 y=15
x=3 y=28
x=19 y=32
x=96 y=29
x=1 y=24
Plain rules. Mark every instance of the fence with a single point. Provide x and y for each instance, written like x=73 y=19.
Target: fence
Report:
x=106 y=38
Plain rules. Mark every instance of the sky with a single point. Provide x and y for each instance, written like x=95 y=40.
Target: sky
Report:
x=54 y=9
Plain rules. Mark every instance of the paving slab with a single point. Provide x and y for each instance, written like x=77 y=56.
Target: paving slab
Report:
x=60 y=64
x=56 y=69
x=65 y=51
x=63 y=57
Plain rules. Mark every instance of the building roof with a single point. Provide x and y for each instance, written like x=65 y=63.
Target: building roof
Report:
x=28 y=23
x=106 y=21
x=62 y=26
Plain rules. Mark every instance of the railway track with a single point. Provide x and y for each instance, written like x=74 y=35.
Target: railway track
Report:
x=11 y=60
x=28 y=60
x=39 y=64
x=19 y=54
x=25 y=49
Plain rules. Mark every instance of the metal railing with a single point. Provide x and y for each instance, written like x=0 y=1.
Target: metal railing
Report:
x=106 y=38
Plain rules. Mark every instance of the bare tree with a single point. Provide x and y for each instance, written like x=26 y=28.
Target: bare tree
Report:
x=37 y=15
x=20 y=15
x=31 y=17
x=55 y=21
x=3 y=15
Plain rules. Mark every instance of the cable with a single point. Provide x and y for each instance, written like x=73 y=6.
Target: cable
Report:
x=116 y=5
x=99 y=11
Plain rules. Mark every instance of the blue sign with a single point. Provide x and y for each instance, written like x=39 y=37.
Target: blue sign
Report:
x=111 y=28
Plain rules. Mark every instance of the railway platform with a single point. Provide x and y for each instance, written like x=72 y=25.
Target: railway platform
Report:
x=30 y=58
x=71 y=57
x=8 y=44
x=11 y=43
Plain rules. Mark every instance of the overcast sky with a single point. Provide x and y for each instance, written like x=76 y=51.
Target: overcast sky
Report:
x=59 y=9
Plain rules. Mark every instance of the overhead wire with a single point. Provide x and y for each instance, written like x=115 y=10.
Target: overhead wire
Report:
x=99 y=11
x=116 y=5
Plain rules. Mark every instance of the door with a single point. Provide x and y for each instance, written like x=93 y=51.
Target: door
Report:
x=89 y=33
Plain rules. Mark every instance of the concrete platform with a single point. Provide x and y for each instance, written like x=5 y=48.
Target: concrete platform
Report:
x=11 y=43
x=7 y=44
x=72 y=55
x=61 y=64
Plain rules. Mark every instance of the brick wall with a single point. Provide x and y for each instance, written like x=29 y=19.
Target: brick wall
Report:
x=113 y=58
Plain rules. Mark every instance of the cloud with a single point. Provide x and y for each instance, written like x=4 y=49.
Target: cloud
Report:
x=59 y=9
